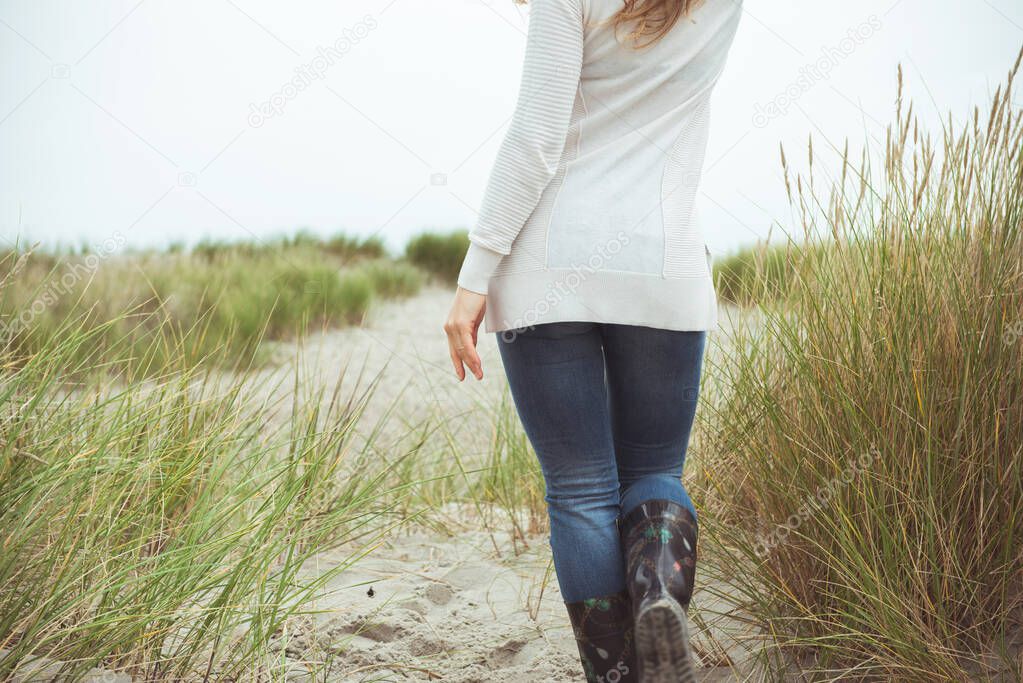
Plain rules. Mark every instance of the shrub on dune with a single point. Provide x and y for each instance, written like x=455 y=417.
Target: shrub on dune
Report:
x=440 y=255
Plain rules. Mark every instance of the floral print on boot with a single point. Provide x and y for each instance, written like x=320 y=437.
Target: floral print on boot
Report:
x=659 y=541
x=603 y=631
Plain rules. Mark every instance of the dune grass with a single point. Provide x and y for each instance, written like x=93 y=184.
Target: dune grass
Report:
x=863 y=473
x=156 y=511
x=749 y=275
x=340 y=246
x=511 y=478
x=439 y=254
x=498 y=485
x=159 y=527
x=217 y=302
x=762 y=272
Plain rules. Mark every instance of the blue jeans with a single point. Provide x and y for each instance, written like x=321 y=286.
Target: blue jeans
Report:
x=608 y=410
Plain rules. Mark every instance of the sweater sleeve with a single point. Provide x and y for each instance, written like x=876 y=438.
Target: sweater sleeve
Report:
x=532 y=147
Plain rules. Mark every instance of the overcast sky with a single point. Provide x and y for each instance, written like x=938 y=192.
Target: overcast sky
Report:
x=150 y=119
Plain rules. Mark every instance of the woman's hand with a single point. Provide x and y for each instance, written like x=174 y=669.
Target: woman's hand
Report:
x=462 y=325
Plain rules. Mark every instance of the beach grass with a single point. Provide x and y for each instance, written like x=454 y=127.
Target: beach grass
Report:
x=437 y=253
x=763 y=272
x=159 y=527
x=862 y=470
x=217 y=302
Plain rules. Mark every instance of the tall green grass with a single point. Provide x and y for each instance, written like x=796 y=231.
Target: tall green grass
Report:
x=508 y=486
x=439 y=254
x=496 y=485
x=762 y=272
x=343 y=246
x=159 y=528
x=219 y=300
x=865 y=488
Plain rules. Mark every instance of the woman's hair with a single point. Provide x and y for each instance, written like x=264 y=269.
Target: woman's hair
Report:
x=646 y=21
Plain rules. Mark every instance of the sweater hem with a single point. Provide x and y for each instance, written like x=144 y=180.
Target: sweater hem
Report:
x=566 y=295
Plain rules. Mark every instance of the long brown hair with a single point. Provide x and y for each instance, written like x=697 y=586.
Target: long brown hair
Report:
x=646 y=21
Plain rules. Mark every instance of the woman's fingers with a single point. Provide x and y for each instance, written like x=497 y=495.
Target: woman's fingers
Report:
x=467 y=352
x=450 y=329
x=456 y=361
x=462 y=348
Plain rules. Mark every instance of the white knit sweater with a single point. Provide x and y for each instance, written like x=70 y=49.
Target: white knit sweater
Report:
x=588 y=214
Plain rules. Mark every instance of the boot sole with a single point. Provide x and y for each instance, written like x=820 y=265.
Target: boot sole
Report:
x=662 y=644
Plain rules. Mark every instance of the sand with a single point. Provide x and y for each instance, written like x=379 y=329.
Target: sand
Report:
x=400 y=352
x=464 y=608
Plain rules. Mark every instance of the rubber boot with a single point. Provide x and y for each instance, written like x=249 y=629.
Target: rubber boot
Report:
x=603 y=631
x=659 y=542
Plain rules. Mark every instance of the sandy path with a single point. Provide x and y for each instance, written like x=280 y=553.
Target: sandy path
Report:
x=455 y=609
x=449 y=609
x=402 y=348
x=460 y=608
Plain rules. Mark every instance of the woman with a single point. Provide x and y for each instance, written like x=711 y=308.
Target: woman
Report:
x=587 y=261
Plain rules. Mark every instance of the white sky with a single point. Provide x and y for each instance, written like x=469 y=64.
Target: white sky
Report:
x=121 y=116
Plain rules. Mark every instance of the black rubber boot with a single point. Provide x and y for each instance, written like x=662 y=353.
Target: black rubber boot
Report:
x=604 y=634
x=659 y=542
